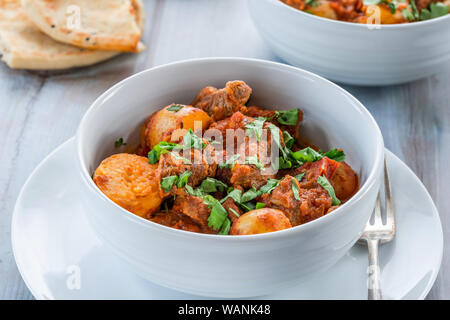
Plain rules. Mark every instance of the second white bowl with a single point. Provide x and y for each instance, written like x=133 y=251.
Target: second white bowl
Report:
x=352 y=53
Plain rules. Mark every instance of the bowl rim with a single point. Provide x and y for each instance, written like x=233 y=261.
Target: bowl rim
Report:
x=397 y=26
x=364 y=189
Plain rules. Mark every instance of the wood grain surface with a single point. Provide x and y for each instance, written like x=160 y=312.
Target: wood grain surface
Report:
x=40 y=110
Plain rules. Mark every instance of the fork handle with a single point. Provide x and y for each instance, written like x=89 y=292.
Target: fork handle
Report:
x=374 y=280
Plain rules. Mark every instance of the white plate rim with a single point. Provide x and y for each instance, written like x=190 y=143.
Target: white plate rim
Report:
x=39 y=296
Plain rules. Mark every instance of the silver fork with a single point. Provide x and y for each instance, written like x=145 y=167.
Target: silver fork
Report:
x=377 y=233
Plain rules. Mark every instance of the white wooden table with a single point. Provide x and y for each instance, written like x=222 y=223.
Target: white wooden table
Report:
x=39 y=111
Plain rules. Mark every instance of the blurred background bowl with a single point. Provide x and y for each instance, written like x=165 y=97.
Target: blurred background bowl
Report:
x=352 y=53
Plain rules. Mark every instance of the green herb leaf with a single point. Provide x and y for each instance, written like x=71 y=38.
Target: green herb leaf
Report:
x=234 y=194
x=312 y=3
x=324 y=183
x=269 y=186
x=295 y=190
x=391 y=4
x=306 y=155
x=229 y=164
x=260 y=205
x=191 y=140
x=437 y=10
x=175 y=107
x=336 y=155
x=212 y=185
x=209 y=200
x=255 y=128
x=300 y=176
x=217 y=216
x=119 y=143
x=250 y=195
x=161 y=148
x=194 y=192
x=225 y=230
x=234 y=212
x=248 y=206
x=168 y=182
x=254 y=161
x=288 y=140
x=288 y=117
x=283 y=161
x=183 y=179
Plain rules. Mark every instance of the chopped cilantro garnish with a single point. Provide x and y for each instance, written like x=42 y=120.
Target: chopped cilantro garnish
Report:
x=217 y=216
x=255 y=128
x=288 y=117
x=324 y=183
x=250 y=195
x=230 y=162
x=300 y=176
x=119 y=143
x=191 y=140
x=168 y=182
x=312 y=3
x=436 y=10
x=234 y=194
x=175 y=107
x=210 y=185
x=260 y=205
x=225 y=230
x=306 y=155
x=288 y=140
x=235 y=212
x=295 y=189
x=269 y=186
x=183 y=179
x=254 y=161
x=194 y=192
x=336 y=155
x=161 y=148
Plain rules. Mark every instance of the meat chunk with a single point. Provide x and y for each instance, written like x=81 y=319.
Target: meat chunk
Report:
x=194 y=208
x=231 y=206
x=253 y=165
x=248 y=176
x=176 y=220
x=313 y=203
x=222 y=103
x=423 y=4
x=202 y=164
x=324 y=167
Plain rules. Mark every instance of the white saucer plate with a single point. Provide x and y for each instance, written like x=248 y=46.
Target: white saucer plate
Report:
x=59 y=256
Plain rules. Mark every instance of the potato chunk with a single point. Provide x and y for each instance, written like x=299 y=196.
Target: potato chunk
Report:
x=170 y=123
x=260 y=221
x=131 y=182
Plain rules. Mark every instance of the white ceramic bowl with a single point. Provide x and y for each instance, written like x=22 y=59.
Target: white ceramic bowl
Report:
x=230 y=266
x=352 y=53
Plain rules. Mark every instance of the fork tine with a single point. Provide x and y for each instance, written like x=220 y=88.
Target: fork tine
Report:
x=390 y=215
x=377 y=212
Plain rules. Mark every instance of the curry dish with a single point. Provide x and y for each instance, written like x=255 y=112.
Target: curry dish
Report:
x=220 y=166
x=374 y=11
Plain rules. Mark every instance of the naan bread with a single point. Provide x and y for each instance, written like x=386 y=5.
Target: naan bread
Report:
x=24 y=46
x=91 y=24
